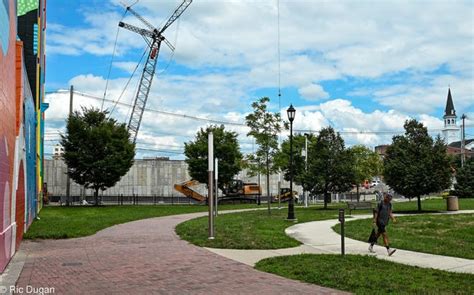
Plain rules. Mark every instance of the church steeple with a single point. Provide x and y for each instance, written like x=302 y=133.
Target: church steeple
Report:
x=451 y=130
x=449 y=111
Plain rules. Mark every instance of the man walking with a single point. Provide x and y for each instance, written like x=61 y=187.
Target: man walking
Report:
x=382 y=214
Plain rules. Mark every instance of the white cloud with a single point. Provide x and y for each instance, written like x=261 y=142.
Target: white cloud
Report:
x=230 y=48
x=313 y=92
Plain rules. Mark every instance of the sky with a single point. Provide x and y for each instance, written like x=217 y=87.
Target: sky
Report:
x=362 y=67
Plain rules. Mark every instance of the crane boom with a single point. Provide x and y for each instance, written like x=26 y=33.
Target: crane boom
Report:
x=150 y=65
x=177 y=13
x=143 y=90
x=137 y=30
x=144 y=21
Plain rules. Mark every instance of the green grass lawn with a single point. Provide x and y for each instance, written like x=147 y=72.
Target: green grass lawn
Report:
x=250 y=230
x=432 y=205
x=71 y=222
x=449 y=235
x=367 y=275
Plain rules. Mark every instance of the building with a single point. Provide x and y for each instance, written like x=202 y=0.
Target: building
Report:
x=451 y=131
x=455 y=148
x=58 y=150
x=381 y=150
x=21 y=132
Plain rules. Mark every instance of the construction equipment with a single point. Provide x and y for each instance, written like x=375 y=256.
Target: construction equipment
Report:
x=185 y=189
x=285 y=195
x=237 y=189
x=153 y=37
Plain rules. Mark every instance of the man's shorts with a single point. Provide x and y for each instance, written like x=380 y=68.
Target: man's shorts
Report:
x=380 y=228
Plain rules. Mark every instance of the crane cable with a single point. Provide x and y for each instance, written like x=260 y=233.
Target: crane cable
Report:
x=172 y=52
x=279 y=67
x=112 y=61
x=128 y=82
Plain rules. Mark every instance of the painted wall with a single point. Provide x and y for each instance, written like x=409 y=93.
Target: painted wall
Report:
x=18 y=132
x=7 y=126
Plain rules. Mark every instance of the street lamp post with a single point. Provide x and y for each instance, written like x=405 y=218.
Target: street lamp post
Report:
x=291 y=206
x=305 y=166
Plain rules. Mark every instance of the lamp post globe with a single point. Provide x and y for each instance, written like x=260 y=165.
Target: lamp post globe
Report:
x=291 y=205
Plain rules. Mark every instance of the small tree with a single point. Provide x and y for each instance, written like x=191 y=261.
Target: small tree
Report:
x=97 y=149
x=226 y=149
x=367 y=164
x=330 y=165
x=464 y=187
x=415 y=165
x=264 y=127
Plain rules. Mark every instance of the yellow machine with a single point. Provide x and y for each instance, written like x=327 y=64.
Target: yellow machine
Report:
x=285 y=195
x=185 y=189
x=235 y=190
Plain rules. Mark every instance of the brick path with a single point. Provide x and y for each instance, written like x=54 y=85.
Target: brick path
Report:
x=145 y=256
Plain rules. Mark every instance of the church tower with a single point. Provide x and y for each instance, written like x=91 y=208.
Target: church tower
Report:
x=451 y=131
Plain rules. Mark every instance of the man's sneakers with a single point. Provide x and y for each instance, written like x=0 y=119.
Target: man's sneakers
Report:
x=389 y=251
x=371 y=249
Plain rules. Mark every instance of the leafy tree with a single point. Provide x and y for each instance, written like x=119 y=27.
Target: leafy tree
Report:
x=264 y=127
x=282 y=158
x=415 y=165
x=367 y=164
x=465 y=180
x=329 y=165
x=97 y=149
x=226 y=149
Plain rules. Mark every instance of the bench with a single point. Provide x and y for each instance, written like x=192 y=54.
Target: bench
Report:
x=358 y=205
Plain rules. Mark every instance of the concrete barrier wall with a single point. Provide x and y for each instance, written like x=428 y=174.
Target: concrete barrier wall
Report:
x=149 y=177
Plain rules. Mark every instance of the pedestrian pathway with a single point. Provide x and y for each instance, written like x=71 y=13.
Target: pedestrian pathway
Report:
x=319 y=238
x=145 y=257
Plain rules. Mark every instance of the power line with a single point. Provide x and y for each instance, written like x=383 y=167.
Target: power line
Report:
x=239 y=124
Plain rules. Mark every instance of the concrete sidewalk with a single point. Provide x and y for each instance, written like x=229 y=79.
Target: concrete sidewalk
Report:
x=319 y=238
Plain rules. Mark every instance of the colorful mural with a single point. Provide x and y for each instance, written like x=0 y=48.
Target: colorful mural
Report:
x=21 y=138
x=7 y=127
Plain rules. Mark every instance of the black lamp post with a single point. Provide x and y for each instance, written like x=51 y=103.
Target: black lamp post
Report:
x=291 y=206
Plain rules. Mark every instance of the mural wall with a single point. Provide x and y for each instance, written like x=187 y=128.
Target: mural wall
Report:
x=7 y=125
x=20 y=108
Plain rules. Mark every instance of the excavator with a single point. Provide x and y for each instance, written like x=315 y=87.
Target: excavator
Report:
x=235 y=190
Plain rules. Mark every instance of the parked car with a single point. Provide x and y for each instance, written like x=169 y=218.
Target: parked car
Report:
x=375 y=183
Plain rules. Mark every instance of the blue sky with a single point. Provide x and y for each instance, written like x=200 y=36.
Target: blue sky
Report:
x=359 y=66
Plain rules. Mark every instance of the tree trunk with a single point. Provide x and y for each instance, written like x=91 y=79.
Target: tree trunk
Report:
x=96 y=197
x=358 y=195
x=326 y=196
x=419 y=203
x=268 y=185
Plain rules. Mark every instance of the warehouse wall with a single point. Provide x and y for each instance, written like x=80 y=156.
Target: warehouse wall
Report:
x=149 y=177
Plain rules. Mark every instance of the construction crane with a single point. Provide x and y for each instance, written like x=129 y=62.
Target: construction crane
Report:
x=153 y=37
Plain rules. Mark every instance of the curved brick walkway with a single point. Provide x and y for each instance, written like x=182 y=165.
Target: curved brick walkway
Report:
x=145 y=256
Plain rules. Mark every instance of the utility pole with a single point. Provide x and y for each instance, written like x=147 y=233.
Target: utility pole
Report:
x=68 y=179
x=210 y=201
x=463 y=134
x=216 y=195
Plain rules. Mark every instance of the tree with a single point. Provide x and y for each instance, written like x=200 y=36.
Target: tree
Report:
x=415 y=165
x=367 y=164
x=329 y=165
x=465 y=180
x=282 y=158
x=226 y=149
x=97 y=149
x=264 y=127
